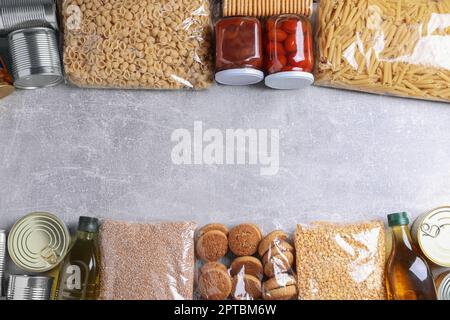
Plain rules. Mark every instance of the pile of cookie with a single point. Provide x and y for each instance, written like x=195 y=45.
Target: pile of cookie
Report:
x=261 y=267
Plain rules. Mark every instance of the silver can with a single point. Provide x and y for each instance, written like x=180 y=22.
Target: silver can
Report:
x=20 y=14
x=35 y=58
x=2 y=260
x=29 y=288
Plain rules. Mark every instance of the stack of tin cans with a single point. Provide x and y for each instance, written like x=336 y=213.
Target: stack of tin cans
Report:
x=31 y=28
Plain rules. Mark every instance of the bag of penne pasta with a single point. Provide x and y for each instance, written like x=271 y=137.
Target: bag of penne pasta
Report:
x=395 y=47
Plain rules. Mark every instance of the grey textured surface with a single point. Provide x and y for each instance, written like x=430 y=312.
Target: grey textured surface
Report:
x=343 y=155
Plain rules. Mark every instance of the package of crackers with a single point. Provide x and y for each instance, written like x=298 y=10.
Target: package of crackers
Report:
x=266 y=8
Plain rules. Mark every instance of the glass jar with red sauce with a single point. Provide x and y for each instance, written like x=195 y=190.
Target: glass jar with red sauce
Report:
x=289 y=57
x=239 y=52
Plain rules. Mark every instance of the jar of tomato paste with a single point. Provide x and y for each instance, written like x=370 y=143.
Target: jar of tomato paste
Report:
x=289 y=58
x=239 y=52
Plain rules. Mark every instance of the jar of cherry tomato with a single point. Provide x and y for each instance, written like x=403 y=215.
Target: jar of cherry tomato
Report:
x=239 y=52
x=289 y=57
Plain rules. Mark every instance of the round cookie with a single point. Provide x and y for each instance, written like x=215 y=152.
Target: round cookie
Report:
x=279 y=264
x=212 y=246
x=214 y=284
x=213 y=265
x=244 y=239
x=282 y=287
x=277 y=248
x=247 y=265
x=246 y=288
x=267 y=242
x=213 y=227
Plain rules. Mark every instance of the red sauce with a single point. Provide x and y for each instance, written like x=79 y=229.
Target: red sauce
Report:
x=238 y=43
x=288 y=43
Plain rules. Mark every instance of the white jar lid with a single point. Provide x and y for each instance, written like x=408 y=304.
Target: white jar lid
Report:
x=289 y=80
x=239 y=77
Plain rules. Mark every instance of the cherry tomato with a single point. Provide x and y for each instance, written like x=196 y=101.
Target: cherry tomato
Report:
x=290 y=44
x=277 y=35
x=270 y=24
x=290 y=26
x=296 y=60
x=276 y=65
x=273 y=47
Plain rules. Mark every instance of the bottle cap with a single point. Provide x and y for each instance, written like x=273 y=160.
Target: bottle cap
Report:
x=88 y=224
x=289 y=80
x=398 y=219
x=239 y=77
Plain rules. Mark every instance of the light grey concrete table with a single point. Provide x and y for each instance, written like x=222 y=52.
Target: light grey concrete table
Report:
x=343 y=155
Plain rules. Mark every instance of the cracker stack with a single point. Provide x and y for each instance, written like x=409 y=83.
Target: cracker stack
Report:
x=266 y=8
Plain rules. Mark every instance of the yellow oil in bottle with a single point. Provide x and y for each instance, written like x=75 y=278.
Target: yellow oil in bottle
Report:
x=78 y=277
x=408 y=276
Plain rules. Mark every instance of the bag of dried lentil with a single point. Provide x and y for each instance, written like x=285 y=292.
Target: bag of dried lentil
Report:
x=341 y=261
x=137 y=44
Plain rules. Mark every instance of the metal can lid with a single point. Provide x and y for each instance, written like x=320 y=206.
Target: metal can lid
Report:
x=289 y=80
x=239 y=77
x=38 y=242
x=432 y=233
x=444 y=288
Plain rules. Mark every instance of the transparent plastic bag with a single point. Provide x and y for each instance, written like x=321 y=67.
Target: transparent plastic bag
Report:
x=393 y=47
x=242 y=264
x=266 y=8
x=341 y=261
x=147 y=261
x=138 y=44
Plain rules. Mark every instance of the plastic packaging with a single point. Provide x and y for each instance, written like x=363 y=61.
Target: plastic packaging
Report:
x=289 y=52
x=385 y=46
x=145 y=261
x=239 y=53
x=241 y=264
x=341 y=262
x=138 y=44
x=266 y=8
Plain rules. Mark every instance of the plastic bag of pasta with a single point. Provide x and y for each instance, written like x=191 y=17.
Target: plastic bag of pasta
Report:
x=396 y=47
x=137 y=44
x=341 y=261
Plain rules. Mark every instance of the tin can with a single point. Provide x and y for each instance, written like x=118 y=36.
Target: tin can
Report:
x=29 y=288
x=6 y=87
x=38 y=242
x=2 y=260
x=431 y=231
x=443 y=286
x=20 y=14
x=35 y=58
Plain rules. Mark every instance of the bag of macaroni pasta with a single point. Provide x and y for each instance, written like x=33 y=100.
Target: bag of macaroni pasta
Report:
x=396 y=47
x=138 y=44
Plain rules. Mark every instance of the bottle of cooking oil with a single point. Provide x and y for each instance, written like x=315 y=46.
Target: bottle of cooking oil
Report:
x=78 y=277
x=408 y=276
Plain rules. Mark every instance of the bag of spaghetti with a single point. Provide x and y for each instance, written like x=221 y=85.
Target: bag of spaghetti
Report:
x=395 y=47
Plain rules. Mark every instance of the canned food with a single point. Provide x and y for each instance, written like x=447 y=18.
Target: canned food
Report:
x=2 y=260
x=29 y=288
x=38 y=242
x=35 y=59
x=20 y=14
x=431 y=231
x=443 y=286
